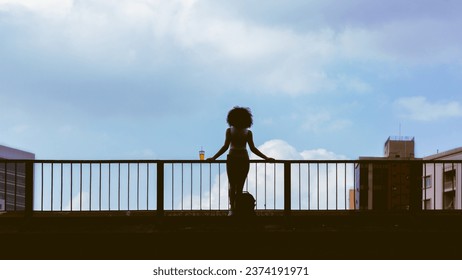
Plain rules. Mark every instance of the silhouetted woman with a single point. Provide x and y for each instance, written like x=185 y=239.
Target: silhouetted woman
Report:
x=237 y=163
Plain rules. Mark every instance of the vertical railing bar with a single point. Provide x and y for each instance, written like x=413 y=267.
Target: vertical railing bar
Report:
x=336 y=186
x=442 y=189
x=182 y=186
x=210 y=186
x=317 y=182
x=109 y=187
x=327 y=186
x=5 y=185
x=453 y=184
x=29 y=202
x=200 y=186
x=460 y=183
x=100 y=185
x=308 y=184
x=15 y=185
x=118 y=194
x=147 y=186
x=90 y=185
x=354 y=183
x=72 y=179
x=425 y=185
x=219 y=186
x=299 y=187
x=160 y=188
x=274 y=185
x=41 y=200
x=52 y=186
x=287 y=188
x=81 y=183
x=256 y=185
x=401 y=197
x=62 y=186
x=400 y=180
x=265 y=186
x=345 y=186
x=191 y=186
x=138 y=186
x=173 y=186
x=434 y=186
x=128 y=187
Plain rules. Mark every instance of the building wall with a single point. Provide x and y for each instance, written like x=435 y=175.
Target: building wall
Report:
x=384 y=184
x=352 y=199
x=399 y=148
x=442 y=182
x=13 y=179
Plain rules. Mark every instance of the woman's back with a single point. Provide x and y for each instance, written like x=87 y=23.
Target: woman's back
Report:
x=238 y=137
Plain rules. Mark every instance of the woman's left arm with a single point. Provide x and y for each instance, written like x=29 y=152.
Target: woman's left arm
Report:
x=254 y=149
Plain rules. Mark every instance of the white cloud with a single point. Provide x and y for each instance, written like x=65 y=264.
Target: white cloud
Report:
x=282 y=57
x=275 y=59
x=48 y=8
x=279 y=149
x=420 y=109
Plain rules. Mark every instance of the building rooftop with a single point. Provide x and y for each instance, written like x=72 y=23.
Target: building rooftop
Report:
x=12 y=153
x=444 y=154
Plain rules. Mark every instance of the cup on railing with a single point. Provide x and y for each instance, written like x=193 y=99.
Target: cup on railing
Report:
x=201 y=154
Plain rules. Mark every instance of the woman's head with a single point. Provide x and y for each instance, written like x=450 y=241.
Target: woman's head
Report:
x=240 y=117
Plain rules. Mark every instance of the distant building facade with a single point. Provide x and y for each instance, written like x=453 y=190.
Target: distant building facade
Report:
x=392 y=182
x=13 y=179
x=442 y=181
x=351 y=201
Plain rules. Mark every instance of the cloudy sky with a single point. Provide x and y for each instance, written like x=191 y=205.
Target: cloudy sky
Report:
x=155 y=79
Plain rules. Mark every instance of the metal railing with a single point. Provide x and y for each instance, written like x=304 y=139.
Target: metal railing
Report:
x=163 y=185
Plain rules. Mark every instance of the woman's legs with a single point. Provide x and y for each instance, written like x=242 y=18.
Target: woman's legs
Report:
x=237 y=168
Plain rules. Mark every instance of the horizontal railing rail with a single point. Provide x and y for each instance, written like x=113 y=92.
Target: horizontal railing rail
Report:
x=183 y=185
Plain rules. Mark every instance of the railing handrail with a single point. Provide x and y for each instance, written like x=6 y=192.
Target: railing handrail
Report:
x=153 y=161
x=162 y=177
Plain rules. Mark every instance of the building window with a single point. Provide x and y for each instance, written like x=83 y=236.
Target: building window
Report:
x=449 y=192
x=2 y=204
x=428 y=204
x=448 y=200
x=428 y=182
x=449 y=180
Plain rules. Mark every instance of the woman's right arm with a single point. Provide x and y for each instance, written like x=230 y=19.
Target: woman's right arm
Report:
x=254 y=149
x=225 y=146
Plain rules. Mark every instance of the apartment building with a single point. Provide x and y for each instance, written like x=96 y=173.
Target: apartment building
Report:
x=442 y=181
x=391 y=182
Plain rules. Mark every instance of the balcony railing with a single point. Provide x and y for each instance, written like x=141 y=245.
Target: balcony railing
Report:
x=183 y=185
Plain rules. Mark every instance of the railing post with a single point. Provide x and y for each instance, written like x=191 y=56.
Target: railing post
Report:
x=415 y=192
x=287 y=189
x=160 y=188
x=29 y=191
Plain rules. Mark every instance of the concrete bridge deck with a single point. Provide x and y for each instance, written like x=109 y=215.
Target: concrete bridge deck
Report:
x=213 y=235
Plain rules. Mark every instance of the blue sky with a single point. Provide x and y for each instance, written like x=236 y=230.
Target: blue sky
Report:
x=155 y=79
